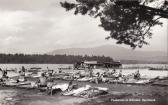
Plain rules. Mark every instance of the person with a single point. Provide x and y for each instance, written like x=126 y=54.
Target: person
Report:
x=78 y=75
x=120 y=73
x=90 y=71
x=1 y=71
x=97 y=74
x=22 y=72
x=21 y=77
x=117 y=76
x=4 y=74
x=50 y=72
x=60 y=70
x=23 y=69
x=42 y=82
x=1 y=80
x=137 y=75
x=97 y=78
x=113 y=72
x=105 y=74
x=76 y=65
x=70 y=86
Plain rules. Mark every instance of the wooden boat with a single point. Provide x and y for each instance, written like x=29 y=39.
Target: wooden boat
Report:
x=84 y=79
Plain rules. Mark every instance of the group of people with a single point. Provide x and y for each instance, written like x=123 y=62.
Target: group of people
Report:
x=112 y=74
x=47 y=82
x=44 y=79
x=21 y=76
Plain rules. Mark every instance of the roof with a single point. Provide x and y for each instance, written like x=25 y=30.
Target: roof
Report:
x=96 y=62
x=114 y=62
x=90 y=62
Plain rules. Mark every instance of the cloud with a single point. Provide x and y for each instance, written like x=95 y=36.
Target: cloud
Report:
x=39 y=26
x=11 y=20
x=11 y=40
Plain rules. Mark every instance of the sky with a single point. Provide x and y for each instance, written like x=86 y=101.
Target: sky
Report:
x=40 y=26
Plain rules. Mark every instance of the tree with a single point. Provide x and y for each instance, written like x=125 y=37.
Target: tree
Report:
x=129 y=21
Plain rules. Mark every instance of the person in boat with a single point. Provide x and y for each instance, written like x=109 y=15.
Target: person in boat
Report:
x=137 y=75
x=77 y=75
x=1 y=78
x=113 y=72
x=4 y=74
x=105 y=74
x=50 y=72
x=22 y=75
x=23 y=70
x=119 y=75
x=1 y=71
x=60 y=70
x=42 y=82
x=98 y=77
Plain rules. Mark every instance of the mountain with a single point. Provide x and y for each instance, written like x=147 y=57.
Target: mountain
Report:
x=118 y=53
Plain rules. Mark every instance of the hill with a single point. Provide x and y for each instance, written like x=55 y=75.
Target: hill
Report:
x=118 y=53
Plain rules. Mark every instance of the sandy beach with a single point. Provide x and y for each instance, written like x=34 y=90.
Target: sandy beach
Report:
x=135 y=95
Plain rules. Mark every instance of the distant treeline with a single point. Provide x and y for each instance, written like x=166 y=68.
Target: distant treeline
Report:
x=46 y=59
x=142 y=62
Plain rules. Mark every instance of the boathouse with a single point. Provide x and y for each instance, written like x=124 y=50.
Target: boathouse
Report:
x=96 y=64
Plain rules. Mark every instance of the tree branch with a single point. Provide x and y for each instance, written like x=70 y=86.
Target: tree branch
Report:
x=159 y=12
x=151 y=26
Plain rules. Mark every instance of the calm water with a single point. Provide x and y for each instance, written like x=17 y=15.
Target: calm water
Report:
x=142 y=67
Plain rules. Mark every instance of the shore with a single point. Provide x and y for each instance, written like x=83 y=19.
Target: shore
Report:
x=134 y=95
x=154 y=93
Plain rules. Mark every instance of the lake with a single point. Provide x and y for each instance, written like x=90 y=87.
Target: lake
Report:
x=127 y=68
